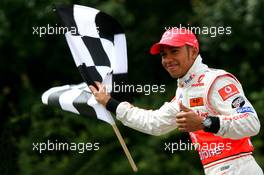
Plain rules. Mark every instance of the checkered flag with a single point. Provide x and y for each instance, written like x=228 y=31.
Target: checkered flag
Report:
x=98 y=46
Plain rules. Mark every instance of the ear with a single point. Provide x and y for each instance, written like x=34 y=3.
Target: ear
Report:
x=194 y=52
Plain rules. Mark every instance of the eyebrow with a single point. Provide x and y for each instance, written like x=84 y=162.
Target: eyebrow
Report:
x=171 y=48
x=174 y=48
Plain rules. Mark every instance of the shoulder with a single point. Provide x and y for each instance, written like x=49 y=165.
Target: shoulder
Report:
x=219 y=78
x=221 y=87
x=224 y=88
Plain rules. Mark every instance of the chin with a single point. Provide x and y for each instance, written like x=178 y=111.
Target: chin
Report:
x=173 y=75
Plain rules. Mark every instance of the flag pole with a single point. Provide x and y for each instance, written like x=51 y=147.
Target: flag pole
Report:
x=123 y=144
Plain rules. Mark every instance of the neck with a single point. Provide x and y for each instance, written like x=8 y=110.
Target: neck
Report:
x=194 y=69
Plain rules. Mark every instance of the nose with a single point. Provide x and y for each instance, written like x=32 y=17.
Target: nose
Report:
x=167 y=58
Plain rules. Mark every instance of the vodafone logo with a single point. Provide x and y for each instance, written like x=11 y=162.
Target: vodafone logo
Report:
x=228 y=91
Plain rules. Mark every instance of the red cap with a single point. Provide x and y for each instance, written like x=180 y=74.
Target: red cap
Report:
x=175 y=37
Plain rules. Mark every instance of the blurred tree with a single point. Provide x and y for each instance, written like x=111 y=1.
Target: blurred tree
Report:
x=240 y=51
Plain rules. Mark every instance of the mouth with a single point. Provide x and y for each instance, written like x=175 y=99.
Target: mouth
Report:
x=172 y=66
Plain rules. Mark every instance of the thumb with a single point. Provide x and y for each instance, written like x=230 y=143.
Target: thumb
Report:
x=184 y=108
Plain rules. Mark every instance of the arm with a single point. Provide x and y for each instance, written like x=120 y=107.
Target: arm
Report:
x=154 y=122
x=237 y=118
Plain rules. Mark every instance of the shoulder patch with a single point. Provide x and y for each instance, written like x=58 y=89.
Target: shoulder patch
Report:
x=228 y=91
x=238 y=102
x=244 y=109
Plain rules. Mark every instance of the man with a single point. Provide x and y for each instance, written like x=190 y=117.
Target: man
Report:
x=209 y=104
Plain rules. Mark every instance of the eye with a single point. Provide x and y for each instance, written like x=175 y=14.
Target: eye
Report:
x=162 y=54
x=174 y=50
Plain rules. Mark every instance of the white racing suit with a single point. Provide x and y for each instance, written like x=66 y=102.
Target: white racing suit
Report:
x=210 y=92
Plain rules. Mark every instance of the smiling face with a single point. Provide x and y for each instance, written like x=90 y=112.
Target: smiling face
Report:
x=177 y=60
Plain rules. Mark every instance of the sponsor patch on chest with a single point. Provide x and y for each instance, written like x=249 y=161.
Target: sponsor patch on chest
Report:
x=198 y=101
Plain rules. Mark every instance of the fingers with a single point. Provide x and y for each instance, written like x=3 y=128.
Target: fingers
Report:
x=180 y=120
x=93 y=89
x=99 y=89
x=181 y=115
x=184 y=114
x=98 y=84
x=182 y=125
x=184 y=108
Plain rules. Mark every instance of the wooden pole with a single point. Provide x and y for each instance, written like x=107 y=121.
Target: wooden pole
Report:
x=123 y=144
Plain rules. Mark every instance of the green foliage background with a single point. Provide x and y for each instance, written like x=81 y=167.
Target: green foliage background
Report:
x=31 y=64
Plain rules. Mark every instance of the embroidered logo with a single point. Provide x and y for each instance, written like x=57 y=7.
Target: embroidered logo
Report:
x=196 y=102
x=238 y=102
x=228 y=91
x=199 y=81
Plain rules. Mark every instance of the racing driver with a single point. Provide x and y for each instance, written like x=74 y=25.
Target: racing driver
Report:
x=209 y=104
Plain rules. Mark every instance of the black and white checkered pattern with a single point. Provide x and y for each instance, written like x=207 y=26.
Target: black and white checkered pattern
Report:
x=77 y=99
x=100 y=45
x=100 y=54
